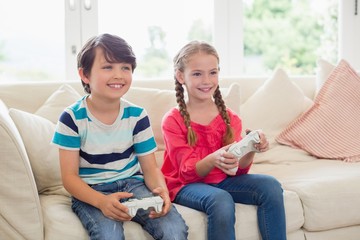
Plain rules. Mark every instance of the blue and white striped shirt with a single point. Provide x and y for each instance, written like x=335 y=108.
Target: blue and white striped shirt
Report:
x=107 y=152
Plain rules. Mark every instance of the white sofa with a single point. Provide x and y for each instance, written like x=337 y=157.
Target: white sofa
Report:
x=322 y=196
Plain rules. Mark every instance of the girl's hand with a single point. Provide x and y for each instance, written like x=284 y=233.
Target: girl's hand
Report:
x=111 y=207
x=263 y=146
x=167 y=203
x=225 y=161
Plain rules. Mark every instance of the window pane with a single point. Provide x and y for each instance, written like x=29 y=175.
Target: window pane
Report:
x=289 y=34
x=157 y=29
x=32 y=43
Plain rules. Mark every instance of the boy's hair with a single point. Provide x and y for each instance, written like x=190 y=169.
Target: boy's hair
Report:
x=180 y=61
x=116 y=50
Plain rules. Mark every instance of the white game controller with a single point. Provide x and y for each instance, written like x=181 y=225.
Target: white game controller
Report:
x=245 y=146
x=134 y=204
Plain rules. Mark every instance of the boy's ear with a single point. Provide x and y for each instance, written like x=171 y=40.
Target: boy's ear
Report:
x=83 y=76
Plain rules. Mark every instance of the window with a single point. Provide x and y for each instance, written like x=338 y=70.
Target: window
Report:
x=252 y=36
x=156 y=29
x=32 y=43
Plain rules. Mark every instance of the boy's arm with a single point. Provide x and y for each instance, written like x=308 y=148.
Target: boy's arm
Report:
x=108 y=204
x=155 y=181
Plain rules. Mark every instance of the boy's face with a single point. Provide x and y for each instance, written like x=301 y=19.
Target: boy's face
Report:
x=108 y=80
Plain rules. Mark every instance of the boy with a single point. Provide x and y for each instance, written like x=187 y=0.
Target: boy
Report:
x=106 y=148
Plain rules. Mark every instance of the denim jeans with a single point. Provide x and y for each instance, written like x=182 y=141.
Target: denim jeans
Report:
x=171 y=226
x=218 y=202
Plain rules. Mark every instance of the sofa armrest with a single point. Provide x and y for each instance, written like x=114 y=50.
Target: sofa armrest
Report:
x=20 y=211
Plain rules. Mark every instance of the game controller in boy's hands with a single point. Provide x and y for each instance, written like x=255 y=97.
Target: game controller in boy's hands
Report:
x=134 y=204
x=245 y=146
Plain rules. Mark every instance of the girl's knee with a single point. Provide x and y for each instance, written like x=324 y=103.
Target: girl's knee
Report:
x=222 y=204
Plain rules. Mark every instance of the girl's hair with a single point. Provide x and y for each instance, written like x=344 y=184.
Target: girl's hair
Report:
x=180 y=61
x=115 y=49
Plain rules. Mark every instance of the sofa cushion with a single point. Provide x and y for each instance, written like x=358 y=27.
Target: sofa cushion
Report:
x=64 y=96
x=274 y=105
x=330 y=128
x=329 y=190
x=58 y=216
x=323 y=70
x=36 y=133
x=20 y=213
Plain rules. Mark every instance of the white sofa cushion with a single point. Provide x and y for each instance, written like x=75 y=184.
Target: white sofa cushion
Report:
x=323 y=70
x=330 y=128
x=36 y=133
x=328 y=189
x=64 y=96
x=274 y=105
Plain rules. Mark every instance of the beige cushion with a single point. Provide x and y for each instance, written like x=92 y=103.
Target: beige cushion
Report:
x=279 y=154
x=324 y=68
x=20 y=213
x=329 y=190
x=330 y=128
x=36 y=133
x=274 y=105
x=37 y=130
x=55 y=104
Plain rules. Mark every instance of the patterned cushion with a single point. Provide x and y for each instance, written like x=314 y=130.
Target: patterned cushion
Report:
x=330 y=128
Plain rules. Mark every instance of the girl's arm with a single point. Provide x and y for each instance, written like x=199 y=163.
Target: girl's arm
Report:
x=108 y=204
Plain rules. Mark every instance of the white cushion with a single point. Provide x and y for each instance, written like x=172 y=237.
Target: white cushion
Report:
x=55 y=104
x=36 y=133
x=274 y=105
x=329 y=190
x=324 y=68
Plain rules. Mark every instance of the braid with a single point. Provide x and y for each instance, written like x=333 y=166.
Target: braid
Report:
x=191 y=136
x=229 y=134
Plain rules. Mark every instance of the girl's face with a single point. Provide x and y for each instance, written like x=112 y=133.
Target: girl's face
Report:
x=200 y=76
x=108 y=80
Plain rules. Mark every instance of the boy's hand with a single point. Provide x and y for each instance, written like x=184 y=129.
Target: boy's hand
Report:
x=167 y=203
x=111 y=207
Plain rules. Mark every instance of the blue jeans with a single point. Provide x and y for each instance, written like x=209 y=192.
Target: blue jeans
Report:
x=218 y=202
x=171 y=226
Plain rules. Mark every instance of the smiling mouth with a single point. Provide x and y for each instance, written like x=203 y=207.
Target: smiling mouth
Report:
x=207 y=89
x=117 y=86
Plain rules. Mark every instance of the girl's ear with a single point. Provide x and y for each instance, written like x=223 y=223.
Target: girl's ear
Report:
x=83 y=77
x=179 y=77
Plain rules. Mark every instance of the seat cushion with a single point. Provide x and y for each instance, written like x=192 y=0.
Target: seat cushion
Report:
x=329 y=190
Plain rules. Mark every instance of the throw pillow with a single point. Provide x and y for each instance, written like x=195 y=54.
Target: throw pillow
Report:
x=36 y=133
x=330 y=128
x=274 y=105
x=56 y=103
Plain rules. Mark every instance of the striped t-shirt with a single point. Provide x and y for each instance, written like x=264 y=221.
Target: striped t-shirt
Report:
x=107 y=152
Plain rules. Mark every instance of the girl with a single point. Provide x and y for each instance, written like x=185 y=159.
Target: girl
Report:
x=197 y=167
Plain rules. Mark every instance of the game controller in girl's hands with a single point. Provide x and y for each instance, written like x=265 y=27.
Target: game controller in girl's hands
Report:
x=245 y=145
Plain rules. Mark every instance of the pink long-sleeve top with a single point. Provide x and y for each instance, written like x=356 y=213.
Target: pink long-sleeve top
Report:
x=179 y=167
